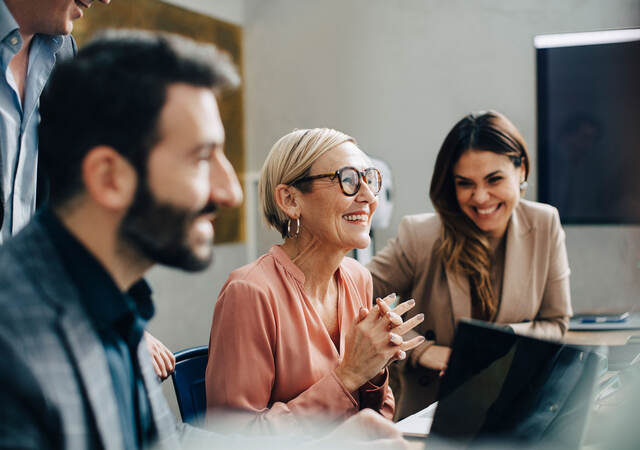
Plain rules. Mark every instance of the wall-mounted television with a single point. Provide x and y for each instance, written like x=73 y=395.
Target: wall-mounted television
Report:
x=588 y=88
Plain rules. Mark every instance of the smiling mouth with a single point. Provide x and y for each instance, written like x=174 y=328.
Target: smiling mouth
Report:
x=487 y=212
x=356 y=218
x=204 y=224
x=210 y=217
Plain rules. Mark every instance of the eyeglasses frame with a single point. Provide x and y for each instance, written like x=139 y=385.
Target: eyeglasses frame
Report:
x=337 y=173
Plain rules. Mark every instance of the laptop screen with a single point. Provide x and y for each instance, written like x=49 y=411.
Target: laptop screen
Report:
x=501 y=389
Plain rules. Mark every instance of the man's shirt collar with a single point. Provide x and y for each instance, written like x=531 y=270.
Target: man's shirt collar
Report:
x=107 y=306
x=7 y=23
x=11 y=38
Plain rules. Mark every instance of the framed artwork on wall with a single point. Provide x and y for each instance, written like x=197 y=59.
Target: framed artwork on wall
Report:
x=156 y=15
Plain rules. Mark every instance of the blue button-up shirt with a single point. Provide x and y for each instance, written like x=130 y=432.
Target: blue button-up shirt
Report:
x=19 y=122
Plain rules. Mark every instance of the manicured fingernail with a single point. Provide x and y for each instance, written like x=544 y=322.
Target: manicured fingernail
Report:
x=392 y=295
x=402 y=355
x=420 y=317
x=411 y=302
x=422 y=339
x=395 y=339
x=394 y=318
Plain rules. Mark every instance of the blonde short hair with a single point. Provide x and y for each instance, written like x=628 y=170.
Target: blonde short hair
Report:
x=290 y=159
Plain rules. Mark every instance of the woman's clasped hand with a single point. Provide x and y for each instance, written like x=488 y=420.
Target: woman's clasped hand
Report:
x=376 y=341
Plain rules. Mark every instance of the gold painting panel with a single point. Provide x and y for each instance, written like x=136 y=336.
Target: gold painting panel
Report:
x=159 y=16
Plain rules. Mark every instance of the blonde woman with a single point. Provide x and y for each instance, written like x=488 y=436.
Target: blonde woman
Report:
x=485 y=253
x=295 y=334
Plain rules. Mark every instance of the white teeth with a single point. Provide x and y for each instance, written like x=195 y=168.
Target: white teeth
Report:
x=488 y=210
x=357 y=218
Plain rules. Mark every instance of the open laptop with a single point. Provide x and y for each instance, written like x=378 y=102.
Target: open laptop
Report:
x=503 y=390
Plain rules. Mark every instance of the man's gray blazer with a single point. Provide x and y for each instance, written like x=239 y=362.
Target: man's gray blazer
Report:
x=55 y=385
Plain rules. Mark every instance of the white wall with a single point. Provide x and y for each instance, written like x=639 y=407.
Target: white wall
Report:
x=398 y=74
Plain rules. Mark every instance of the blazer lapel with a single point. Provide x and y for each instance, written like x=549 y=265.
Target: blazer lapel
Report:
x=517 y=269
x=91 y=360
x=85 y=346
x=163 y=419
x=460 y=295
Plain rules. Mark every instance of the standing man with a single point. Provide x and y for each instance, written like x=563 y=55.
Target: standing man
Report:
x=34 y=34
x=138 y=182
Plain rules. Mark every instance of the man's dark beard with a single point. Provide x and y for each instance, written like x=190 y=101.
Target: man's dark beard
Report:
x=159 y=231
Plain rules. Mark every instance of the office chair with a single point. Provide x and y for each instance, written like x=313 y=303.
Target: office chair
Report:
x=188 y=383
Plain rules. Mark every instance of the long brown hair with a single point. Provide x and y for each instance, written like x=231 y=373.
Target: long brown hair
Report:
x=465 y=248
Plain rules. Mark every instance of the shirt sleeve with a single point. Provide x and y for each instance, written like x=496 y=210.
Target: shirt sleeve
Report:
x=241 y=368
x=392 y=269
x=378 y=397
x=552 y=320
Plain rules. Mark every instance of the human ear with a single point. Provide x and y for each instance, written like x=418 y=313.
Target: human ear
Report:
x=288 y=200
x=521 y=173
x=109 y=179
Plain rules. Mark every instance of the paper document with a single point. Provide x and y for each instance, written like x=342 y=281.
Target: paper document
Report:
x=418 y=424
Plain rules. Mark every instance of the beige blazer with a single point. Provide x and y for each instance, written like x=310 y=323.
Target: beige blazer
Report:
x=535 y=296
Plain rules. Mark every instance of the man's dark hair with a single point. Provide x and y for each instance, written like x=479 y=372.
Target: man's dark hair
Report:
x=112 y=94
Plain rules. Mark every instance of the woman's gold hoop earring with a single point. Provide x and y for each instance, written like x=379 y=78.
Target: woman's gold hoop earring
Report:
x=293 y=236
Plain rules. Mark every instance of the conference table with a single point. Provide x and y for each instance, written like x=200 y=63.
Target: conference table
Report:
x=609 y=337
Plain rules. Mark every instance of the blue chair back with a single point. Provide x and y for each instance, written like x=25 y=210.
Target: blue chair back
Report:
x=188 y=382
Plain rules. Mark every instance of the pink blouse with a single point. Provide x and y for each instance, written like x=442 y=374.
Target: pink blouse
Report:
x=270 y=353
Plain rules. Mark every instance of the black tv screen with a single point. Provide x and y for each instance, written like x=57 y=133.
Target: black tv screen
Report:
x=588 y=87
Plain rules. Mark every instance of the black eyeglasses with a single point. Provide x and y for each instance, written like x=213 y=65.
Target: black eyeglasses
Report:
x=350 y=179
